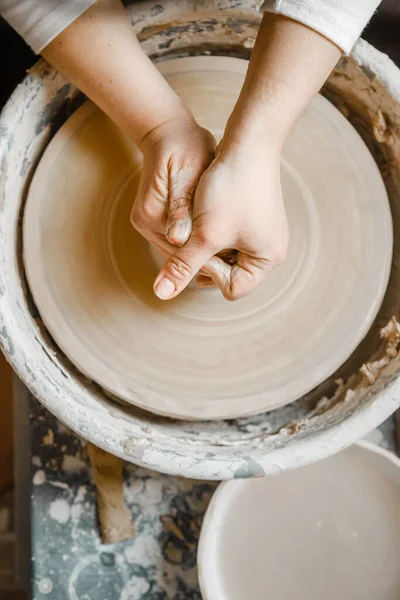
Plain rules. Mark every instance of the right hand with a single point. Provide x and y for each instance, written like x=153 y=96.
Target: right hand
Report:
x=238 y=206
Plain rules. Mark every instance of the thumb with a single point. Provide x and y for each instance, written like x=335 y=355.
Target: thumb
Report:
x=179 y=220
x=180 y=269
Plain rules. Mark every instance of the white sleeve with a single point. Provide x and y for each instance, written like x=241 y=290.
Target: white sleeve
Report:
x=341 y=21
x=40 y=21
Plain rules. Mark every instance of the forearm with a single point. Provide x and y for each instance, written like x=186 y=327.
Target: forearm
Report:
x=289 y=64
x=100 y=54
x=341 y=21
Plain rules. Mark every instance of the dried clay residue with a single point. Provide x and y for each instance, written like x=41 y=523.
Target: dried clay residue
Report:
x=357 y=384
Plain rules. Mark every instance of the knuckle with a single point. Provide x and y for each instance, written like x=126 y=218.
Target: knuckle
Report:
x=205 y=239
x=136 y=219
x=230 y=296
x=234 y=293
x=281 y=246
x=279 y=254
x=179 y=210
x=182 y=189
x=179 y=269
x=148 y=211
x=183 y=200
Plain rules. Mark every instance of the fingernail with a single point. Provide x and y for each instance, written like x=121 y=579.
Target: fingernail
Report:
x=164 y=289
x=179 y=232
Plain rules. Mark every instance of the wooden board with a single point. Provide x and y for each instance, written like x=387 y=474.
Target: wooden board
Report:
x=6 y=425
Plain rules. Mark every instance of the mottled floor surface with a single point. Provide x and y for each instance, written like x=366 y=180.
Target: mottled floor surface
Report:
x=7 y=540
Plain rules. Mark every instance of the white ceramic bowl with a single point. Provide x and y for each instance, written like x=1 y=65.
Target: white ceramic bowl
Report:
x=329 y=530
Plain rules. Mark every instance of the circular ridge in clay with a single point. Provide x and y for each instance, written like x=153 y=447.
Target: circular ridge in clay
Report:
x=200 y=357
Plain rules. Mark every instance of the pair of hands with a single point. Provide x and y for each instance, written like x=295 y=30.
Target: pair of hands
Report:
x=196 y=203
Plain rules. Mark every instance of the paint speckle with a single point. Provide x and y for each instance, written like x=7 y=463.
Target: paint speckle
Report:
x=60 y=511
x=80 y=496
x=144 y=550
x=249 y=42
x=76 y=512
x=136 y=588
x=45 y=586
x=60 y=484
x=73 y=464
x=48 y=439
x=39 y=477
x=152 y=493
x=62 y=429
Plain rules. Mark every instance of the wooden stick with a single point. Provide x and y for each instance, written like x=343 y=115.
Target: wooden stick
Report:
x=114 y=517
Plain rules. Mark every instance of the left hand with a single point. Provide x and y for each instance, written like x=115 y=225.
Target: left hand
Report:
x=175 y=154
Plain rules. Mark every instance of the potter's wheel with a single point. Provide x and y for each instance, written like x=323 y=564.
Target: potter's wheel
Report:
x=199 y=356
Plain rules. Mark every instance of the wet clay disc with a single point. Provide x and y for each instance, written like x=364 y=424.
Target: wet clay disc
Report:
x=199 y=356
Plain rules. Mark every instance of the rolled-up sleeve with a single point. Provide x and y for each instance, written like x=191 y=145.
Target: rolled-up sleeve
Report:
x=40 y=21
x=341 y=21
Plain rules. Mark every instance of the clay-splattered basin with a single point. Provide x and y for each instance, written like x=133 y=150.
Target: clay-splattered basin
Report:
x=366 y=88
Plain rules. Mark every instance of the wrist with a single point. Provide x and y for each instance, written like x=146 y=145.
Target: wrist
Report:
x=156 y=120
x=255 y=123
x=251 y=138
x=173 y=124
